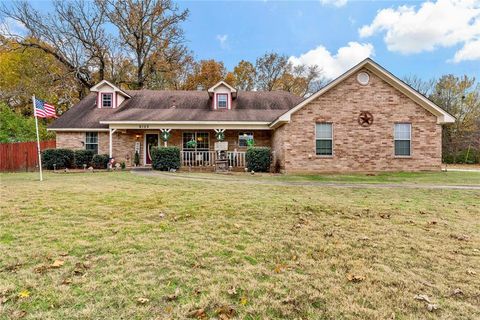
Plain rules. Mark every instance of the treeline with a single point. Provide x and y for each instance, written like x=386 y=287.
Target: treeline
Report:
x=140 y=44
x=459 y=96
x=134 y=44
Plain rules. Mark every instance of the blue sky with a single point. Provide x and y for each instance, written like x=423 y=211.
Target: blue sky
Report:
x=406 y=37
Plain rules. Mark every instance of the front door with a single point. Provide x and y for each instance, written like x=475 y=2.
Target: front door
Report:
x=151 y=140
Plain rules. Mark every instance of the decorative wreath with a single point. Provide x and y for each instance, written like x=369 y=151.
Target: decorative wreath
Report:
x=165 y=136
x=365 y=119
x=220 y=135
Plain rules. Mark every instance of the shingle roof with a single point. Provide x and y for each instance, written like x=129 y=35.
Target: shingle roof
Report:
x=150 y=105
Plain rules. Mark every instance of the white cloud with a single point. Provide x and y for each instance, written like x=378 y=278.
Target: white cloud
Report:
x=334 y=65
x=470 y=51
x=9 y=26
x=222 y=38
x=336 y=3
x=444 y=23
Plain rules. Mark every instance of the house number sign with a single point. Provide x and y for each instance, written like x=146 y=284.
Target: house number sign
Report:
x=143 y=126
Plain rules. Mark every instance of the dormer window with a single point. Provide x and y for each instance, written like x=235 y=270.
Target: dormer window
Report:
x=222 y=101
x=107 y=100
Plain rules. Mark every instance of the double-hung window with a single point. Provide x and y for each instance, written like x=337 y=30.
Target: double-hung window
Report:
x=91 y=141
x=324 y=139
x=243 y=138
x=222 y=100
x=403 y=137
x=107 y=100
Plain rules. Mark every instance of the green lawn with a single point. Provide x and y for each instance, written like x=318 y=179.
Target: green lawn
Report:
x=133 y=247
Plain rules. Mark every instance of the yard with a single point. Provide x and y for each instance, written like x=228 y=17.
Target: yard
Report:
x=124 y=246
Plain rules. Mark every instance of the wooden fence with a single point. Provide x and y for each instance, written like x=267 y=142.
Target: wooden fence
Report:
x=21 y=156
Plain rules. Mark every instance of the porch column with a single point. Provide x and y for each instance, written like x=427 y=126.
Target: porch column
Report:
x=110 y=140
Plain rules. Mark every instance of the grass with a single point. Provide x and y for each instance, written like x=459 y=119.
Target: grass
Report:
x=138 y=247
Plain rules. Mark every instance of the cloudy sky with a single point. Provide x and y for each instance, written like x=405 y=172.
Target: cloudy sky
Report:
x=407 y=37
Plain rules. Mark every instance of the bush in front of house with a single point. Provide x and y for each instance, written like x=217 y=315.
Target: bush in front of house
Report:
x=61 y=158
x=165 y=158
x=258 y=159
x=100 y=161
x=467 y=156
x=83 y=157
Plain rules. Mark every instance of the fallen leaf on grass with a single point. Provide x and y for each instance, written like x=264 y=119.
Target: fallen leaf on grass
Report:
x=143 y=300
x=432 y=307
x=460 y=237
x=41 y=269
x=57 y=264
x=355 y=278
x=243 y=301
x=279 y=268
x=174 y=296
x=24 y=294
x=225 y=312
x=232 y=291
x=457 y=292
x=471 y=272
x=385 y=215
x=422 y=297
x=198 y=313
x=67 y=281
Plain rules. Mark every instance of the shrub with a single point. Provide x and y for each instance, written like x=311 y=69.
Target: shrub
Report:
x=258 y=159
x=100 y=161
x=165 y=158
x=83 y=157
x=61 y=158
x=467 y=156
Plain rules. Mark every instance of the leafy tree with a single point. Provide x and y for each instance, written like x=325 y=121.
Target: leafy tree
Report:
x=17 y=128
x=32 y=71
x=244 y=76
x=269 y=69
x=205 y=73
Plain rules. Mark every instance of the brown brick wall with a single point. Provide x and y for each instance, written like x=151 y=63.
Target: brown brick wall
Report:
x=76 y=141
x=357 y=148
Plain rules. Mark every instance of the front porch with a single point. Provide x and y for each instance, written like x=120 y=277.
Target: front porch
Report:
x=124 y=143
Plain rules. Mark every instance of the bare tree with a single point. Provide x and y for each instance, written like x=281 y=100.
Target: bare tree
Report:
x=73 y=34
x=269 y=69
x=151 y=31
x=422 y=86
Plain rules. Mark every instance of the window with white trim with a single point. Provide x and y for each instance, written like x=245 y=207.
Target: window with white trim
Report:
x=323 y=139
x=107 y=100
x=403 y=137
x=91 y=141
x=222 y=101
x=243 y=138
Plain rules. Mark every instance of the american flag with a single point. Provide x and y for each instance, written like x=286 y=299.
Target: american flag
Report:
x=44 y=110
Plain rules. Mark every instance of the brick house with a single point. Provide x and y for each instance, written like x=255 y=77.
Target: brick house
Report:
x=365 y=120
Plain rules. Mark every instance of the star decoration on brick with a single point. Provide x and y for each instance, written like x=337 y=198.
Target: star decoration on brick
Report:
x=365 y=119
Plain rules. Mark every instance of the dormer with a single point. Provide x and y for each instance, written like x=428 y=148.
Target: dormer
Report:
x=222 y=95
x=109 y=95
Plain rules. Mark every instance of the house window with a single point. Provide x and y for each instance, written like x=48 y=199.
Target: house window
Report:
x=324 y=139
x=403 y=137
x=243 y=138
x=201 y=141
x=107 y=100
x=91 y=141
x=222 y=101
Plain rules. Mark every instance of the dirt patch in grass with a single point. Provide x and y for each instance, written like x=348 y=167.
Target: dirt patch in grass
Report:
x=137 y=247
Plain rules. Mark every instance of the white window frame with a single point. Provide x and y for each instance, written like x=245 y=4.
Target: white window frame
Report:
x=226 y=100
x=105 y=94
x=242 y=134
x=316 y=139
x=395 y=139
x=91 y=143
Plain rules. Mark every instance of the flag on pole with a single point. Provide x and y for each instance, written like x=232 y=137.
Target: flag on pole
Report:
x=44 y=110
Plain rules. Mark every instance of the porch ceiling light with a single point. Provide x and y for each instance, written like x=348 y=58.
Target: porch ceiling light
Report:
x=200 y=139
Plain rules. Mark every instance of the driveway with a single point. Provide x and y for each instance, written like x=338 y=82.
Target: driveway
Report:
x=259 y=181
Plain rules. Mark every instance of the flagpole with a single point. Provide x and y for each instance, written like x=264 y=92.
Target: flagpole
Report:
x=38 y=139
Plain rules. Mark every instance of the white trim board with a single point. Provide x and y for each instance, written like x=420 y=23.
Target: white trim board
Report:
x=372 y=66
x=78 y=129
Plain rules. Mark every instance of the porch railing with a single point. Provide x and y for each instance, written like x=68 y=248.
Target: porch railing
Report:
x=208 y=158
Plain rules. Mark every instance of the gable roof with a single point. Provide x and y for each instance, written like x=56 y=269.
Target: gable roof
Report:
x=97 y=87
x=375 y=68
x=159 y=105
x=211 y=90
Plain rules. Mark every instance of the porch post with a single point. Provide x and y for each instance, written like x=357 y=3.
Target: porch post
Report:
x=110 y=140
